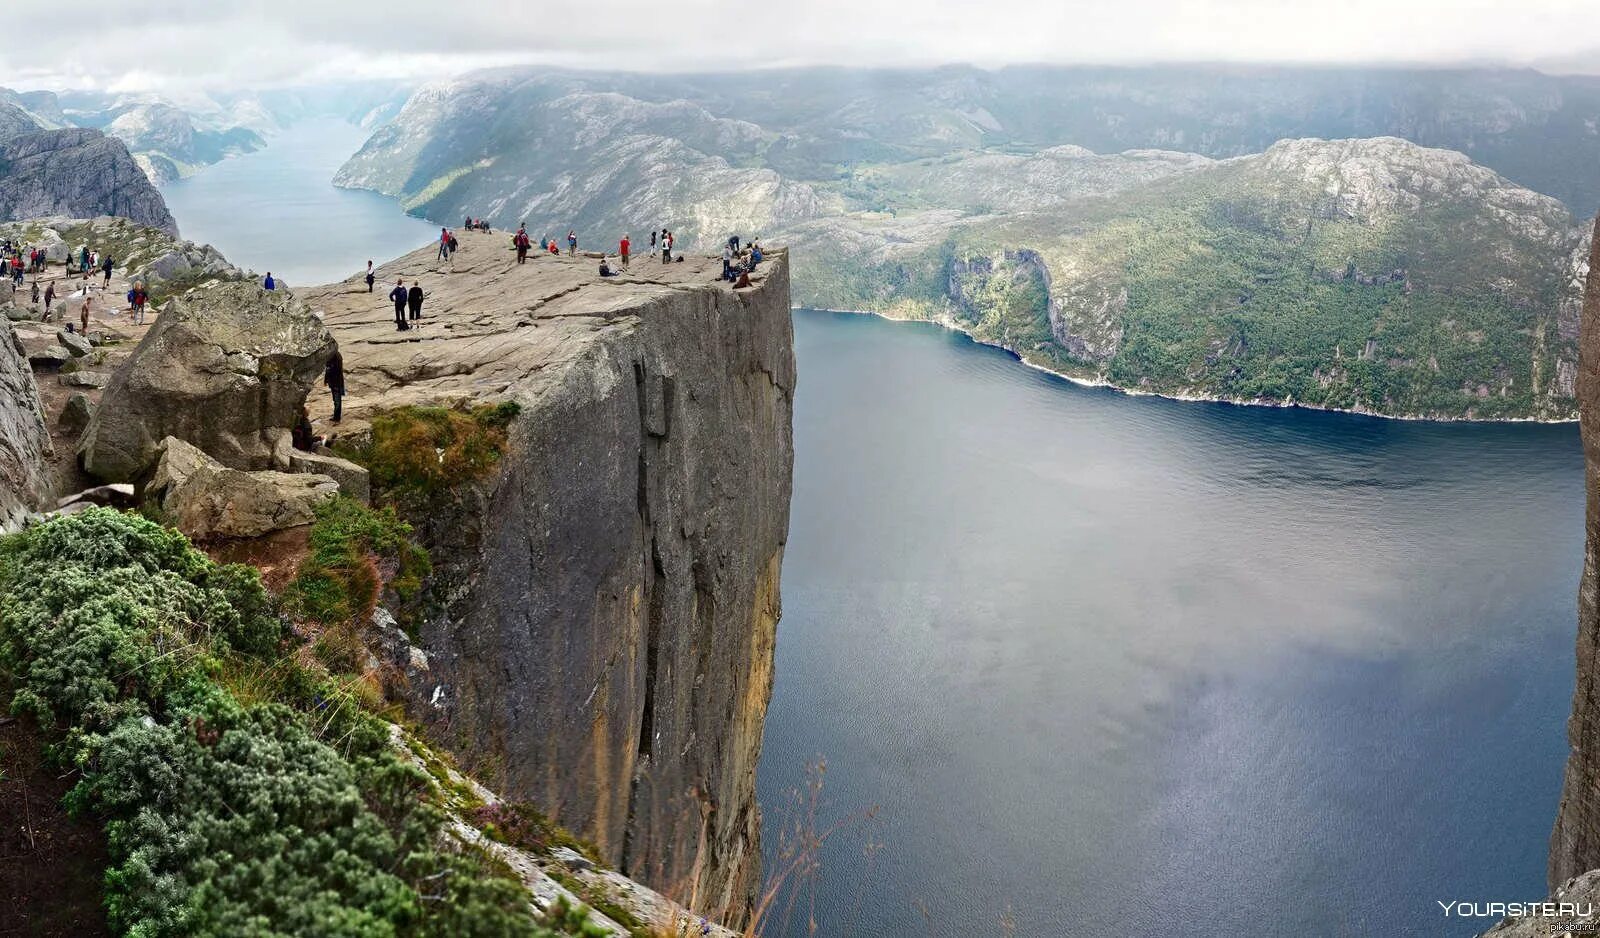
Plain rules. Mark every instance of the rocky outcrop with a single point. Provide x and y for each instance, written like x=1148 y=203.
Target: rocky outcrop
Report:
x=206 y=500
x=1575 y=842
x=24 y=440
x=77 y=172
x=226 y=368
x=609 y=594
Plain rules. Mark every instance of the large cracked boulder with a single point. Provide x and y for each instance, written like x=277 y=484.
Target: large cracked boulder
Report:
x=25 y=483
x=225 y=368
x=206 y=500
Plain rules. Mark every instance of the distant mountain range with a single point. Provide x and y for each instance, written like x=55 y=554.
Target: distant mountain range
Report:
x=176 y=136
x=1396 y=242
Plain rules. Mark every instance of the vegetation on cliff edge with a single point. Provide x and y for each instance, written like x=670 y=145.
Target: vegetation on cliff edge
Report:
x=242 y=793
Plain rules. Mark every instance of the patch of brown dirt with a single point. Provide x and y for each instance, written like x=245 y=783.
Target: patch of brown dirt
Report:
x=277 y=555
x=51 y=865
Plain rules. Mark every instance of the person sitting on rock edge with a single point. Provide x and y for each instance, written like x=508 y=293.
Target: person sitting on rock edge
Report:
x=302 y=437
x=606 y=271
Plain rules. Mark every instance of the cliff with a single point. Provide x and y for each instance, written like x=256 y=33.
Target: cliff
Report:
x=606 y=600
x=79 y=173
x=1575 y=842
x=25 y=483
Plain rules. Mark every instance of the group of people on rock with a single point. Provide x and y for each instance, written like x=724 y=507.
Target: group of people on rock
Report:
x=475 y=224
x=406 y=301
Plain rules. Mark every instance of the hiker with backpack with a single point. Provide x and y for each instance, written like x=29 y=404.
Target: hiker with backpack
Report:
x=521 y=242
x=444 y=244
x=572 y=242
x=398 y=296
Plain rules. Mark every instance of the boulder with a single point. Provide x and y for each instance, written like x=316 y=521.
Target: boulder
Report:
x=353 y=480
x=8 y=291
x=226 y=368
x=206 y=500
x=76 y=413
x=74 y=343
x=55 y=249
x=85 y=379
x=116 y=495
x=25 y=477
x=49 y=358
x=20 y=314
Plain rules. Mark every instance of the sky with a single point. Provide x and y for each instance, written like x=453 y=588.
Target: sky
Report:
x=167 y=45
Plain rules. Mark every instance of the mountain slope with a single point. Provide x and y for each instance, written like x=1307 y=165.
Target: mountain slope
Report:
x=79 y=173
x=1369 y=274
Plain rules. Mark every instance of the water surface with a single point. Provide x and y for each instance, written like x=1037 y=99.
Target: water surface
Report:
x=1133 y=666
x=1121 y=665
x=277 y=209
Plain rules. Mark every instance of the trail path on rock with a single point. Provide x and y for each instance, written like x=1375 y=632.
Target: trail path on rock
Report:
x=487 y=321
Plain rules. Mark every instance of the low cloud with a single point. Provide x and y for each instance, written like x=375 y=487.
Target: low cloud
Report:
x=186 y=44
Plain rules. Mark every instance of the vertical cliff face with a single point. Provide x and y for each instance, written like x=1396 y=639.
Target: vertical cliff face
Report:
x=1575 y=842
x=24 y=442
x=79 y=173
x=605 y=636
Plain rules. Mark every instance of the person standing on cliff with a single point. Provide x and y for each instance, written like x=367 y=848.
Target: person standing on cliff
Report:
x=572 y=242
x=414 y=300
x=333 y=375
x=269 y=283
x=84 y=313
x=370 y=277
x=106 y=266
x=444 y=243
x=624 y=246
x=666 y=246
x=522 y=243
x=49 y=299
x=398 y=297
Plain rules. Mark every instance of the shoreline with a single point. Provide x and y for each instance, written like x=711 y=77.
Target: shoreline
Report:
x=1184 y=398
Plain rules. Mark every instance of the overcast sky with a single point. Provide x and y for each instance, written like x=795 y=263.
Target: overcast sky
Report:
x=223 y=44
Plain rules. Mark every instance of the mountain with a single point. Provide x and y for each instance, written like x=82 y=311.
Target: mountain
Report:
x=76 y=172
x=1537 y=130
x=167 y=146
x=1370 y=274
x=179 y=133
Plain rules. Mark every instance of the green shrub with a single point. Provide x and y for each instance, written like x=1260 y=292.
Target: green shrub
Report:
x=419 y=451
x=340 y=580
x=241 y=795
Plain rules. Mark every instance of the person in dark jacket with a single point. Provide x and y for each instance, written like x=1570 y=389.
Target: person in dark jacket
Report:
x=414 y=300
x=106 y=266
x=302 y=436
x=370 y=277
x=398 y=295
x=334 y=376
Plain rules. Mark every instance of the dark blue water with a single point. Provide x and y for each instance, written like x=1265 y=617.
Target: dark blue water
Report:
x=1119 y=665
x=1130 y=666
x=277 y=209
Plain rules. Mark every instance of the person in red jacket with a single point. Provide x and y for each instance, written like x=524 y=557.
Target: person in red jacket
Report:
x=625 y=246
